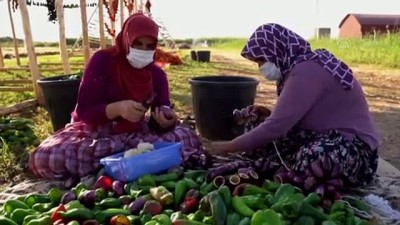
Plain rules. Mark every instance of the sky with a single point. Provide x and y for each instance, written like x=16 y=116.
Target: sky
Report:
x=212 y=18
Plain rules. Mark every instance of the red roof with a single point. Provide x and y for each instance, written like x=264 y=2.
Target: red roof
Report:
x=374 y=19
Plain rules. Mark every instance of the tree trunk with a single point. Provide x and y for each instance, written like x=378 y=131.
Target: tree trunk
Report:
x=63 y=41
x=13 y=33
x=85 y=35
x=103 y=43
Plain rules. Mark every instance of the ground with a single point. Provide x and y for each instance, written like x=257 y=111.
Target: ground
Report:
x=380 y=85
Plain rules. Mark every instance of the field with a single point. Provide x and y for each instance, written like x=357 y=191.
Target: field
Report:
x=375 y=62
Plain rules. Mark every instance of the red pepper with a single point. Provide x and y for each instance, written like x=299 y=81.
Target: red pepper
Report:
x=103 y=182
x=189 y=205
x=55 y=216
x=192 y=194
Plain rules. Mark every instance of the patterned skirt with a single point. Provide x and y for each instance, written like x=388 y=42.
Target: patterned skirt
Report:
x=75 y=151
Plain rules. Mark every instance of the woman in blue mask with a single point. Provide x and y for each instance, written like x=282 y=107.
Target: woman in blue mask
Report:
x=119 y=86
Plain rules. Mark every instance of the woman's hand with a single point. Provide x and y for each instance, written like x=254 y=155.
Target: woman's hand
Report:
x=165 y=116
x=220 y=147
x=127 y=109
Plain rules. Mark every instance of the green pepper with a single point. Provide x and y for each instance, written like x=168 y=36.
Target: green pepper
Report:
x=162 y=219
x=134 y=190
x=226 y=195
x=187 y=222
x=151 y=222
x=204 y=204
x=145 y=189
x=304 y=220
x=103 y=216
x=14 y=204
x=208 y=220
x=168 y=212
x=31 y=217
x=266 y=217
x=79 y=189
x=134 y=220
x=251 y=189
x=232 y=219
x=245 y=221
x=177 y=215
x=350 y=220
x=194 y=174
x=146 y=180
x=270 y=186
x=146 y=217
x=42 y=207
x=308 y=210
x=170 y=185
x=218 y=208
x=197 y=216
x=337 y=206
x=6 y=221
x=191 y=184
x=313 y=199
x=268 y=200
x=19 y=215
x=328 y=222
x=338 y=217
x=358 y=204
x=241 y=208
x=206 y=188
x=283 y=191
x=32 y=199
x=46 y=220
x=110 y=203
x=291 y=209
x=78 y=214
x=74 y=205
x=253 y=201
x=55 y=195
x=165 y=177
x=359 y=221
x=180 y=191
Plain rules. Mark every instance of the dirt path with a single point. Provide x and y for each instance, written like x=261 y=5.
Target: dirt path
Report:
x=381 y=88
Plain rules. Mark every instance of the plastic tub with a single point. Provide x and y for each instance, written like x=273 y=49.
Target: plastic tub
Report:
x=164 y=156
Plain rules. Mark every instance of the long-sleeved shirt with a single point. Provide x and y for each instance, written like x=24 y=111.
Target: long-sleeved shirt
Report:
x=312 y=99
x=98 y=89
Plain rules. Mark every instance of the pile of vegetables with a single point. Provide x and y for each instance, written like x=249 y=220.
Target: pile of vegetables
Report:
x=177 y=197
x=163 y=58
x=17 y=132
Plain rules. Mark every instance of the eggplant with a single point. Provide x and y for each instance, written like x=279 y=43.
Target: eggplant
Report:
x=67 y=197
x=118 y=187
x=327 y=165
x=167 y=112
x=336 y=170
x=221 y=170
x=337 y=183
x=88 y=198
x=316 y=169
x=309 y=183
x=234 y=180
x=219 y=181
x=238 y=190
x=125 y=199
x=281 y=177
x=320 y=190
x=137 y=205
x=297 y=180
x=246 y=173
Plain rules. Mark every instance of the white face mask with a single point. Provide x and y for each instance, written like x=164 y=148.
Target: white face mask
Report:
x=270 y=71
x=140 y=58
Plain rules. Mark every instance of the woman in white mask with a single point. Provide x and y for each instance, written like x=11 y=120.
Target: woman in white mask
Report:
x=119 y=86
x=321 y=128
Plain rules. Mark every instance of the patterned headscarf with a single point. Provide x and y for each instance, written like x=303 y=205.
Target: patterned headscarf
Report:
x=281 y=46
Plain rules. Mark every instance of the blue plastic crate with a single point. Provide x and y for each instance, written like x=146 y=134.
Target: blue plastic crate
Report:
x=164 y=156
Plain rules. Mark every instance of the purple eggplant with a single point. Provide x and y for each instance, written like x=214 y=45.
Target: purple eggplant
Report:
x=137 y=205
x=316 y=169
x=118 y=187
x=88 y=198
x=281 y=177
x=291 y=175
x=337 y=183
x=219 y=181
x=243 y=176
x=234 y=180
x=222 y=170
x=249 y=172
x=125 y=199
x=309 y=183
x=297 y=180
x=320 y=190
x=68 y=197
x=327 y=165
x=336 y=170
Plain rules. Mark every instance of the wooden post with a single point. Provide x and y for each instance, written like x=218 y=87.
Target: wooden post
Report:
x=85 y=35
x=121 y=13
x=13 y=33
x=112 y=12
x=1 y=58
x=103 y=43
x=30 y=48
x=63 y=41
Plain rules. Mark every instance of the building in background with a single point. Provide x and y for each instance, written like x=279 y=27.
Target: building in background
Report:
x=322 y=32
x=362 y=25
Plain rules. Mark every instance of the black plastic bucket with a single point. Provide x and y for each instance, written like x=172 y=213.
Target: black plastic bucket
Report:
x=193 y=55
x=214 y=98
x=203 y=56
x=60 y=95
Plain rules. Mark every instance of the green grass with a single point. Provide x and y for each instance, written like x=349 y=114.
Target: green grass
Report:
x=384 y=51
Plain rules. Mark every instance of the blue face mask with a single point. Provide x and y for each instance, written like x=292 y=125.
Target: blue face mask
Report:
x=270 y=71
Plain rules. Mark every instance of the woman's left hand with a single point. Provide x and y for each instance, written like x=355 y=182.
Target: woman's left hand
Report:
x=220 y=147
x=165 y=117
